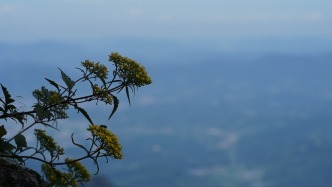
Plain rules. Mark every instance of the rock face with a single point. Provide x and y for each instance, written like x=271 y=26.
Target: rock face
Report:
x=13 y=175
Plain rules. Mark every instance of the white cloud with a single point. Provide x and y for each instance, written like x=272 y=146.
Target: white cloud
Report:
x=228 y=141
x=252 y=177
x=135 y=11
x=225 y=140
x=212 y=131
x=6 y=9
x=147 y=100
x=255 y=16
x=315 y=16
x=208 y=171
x=165 y=18
x=156 y=148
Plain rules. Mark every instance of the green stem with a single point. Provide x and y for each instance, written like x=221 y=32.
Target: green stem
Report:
x=119 y=87
x=50 y=163
x=20 y=132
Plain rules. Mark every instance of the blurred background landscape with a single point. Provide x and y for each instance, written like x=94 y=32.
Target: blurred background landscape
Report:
x=241 y=91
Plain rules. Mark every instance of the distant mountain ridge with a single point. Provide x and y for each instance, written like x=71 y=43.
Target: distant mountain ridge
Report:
x=214 y=119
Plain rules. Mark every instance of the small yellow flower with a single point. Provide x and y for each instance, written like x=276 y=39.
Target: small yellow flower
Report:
x=130 y=71
x=97 y=69
x=109 y=141
x=76 y=173
x=48 y=143
x=78 y=169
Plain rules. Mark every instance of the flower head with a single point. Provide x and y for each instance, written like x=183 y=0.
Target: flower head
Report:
x=48 y=143
x=96 y=68
x=108 y=141
x=78 y=170
x=130 y=71
x=76 y=173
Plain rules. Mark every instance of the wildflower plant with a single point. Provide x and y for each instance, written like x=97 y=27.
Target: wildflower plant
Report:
x=52 y=106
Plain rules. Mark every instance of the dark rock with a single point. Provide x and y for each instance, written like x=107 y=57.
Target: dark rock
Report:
x=14 y=175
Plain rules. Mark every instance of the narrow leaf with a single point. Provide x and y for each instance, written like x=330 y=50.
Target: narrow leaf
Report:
x=8 y=97
x=8 y=107
x=41 y=113
x=70 y=84
x=85 y=114
x=48 y=125
x=20 y=141
x=20 y=119
x=115 y=105
x=102 y=80
x=53 y=84
x=127 y=93
x=2 y=131
x=79 y=145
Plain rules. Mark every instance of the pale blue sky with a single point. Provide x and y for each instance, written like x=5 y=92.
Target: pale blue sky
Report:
x=77 y=20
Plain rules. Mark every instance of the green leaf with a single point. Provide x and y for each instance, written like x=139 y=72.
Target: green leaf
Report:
x=8 y=97
x=2 y=131
x=7 y=101
x=20 y=141
x=53 y=84
x=70 y=84
x=115 y=107
x=85 y=114
x=20 y=119
x=41 y=113
x=127 y=93
x=12 y=107
x=5 y=146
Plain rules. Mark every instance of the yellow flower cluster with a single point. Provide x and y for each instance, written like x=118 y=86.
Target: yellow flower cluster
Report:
x=76 y=174
x=130 y=71
x=102 y=94
x=48 y=97
x=55 y=177
x=48 y=143
x=109 y=141
x=79 y=171
x=96 y=68
x=55 y=98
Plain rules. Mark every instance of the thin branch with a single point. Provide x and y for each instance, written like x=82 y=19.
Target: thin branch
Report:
x=68 y=101
x=51 y=163
x=20 y=132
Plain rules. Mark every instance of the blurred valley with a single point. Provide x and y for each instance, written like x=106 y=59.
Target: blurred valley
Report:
x=212 y=119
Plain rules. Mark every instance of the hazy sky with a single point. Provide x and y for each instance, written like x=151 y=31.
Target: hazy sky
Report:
x=74 y=20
